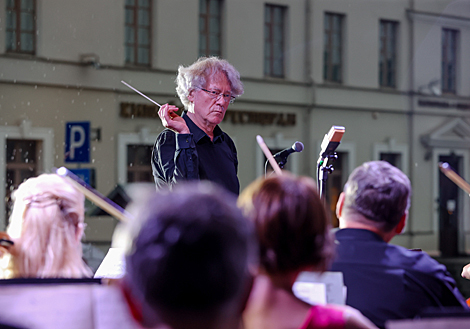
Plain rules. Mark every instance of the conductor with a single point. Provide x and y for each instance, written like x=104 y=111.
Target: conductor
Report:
x=193 y=147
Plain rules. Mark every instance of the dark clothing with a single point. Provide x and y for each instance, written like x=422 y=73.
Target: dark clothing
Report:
x=178 y=157
x=386 y=281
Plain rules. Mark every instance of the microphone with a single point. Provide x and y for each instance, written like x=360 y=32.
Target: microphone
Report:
x=268 y=154
x=331 y=141
x=281 y=157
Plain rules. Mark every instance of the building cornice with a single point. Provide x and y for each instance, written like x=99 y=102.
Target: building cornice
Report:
x=429 y=17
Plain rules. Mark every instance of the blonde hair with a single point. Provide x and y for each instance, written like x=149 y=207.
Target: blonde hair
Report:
x=47 y=223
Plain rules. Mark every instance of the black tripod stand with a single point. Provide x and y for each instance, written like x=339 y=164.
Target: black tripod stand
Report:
x=324 y=167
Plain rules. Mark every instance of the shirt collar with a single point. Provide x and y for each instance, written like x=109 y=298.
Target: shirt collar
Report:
x=198 y=133
x=357 y=234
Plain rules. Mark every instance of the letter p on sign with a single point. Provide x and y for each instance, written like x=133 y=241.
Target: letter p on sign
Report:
x=77 y=142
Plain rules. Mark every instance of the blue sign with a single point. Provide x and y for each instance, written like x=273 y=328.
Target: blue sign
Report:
x=77 y=142
x=85 y=174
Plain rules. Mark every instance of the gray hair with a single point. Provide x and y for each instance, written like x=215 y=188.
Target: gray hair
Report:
x=195 y=76
x=378 y=191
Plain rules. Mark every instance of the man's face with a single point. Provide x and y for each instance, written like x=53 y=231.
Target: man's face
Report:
x=210 y=111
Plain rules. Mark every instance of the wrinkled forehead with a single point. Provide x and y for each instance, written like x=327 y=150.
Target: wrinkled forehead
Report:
x=217 y=78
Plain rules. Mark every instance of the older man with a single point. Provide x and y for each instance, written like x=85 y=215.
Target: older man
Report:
x=189 y=265
x=193 y=146
x=385 y=281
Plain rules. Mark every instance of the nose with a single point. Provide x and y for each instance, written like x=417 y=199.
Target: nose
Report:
x=221 y=100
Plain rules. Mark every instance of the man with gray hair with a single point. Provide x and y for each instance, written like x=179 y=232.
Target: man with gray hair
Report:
x=193 y=147
x=385 y=281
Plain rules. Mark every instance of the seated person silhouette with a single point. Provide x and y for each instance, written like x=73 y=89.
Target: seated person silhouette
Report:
x=46 y=226
x=189 y=263
x=385 y=281
x=294 y=236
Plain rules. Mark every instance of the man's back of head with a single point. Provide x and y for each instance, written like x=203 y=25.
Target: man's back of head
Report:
x=376 y=194
x=190 y=261
x=385 y=281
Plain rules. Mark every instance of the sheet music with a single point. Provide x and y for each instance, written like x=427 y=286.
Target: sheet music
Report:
x=310 y=292
x=113 y=265
x=308 y=287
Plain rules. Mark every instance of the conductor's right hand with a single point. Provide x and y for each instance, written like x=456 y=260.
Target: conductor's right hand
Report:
x=466 y=272
x=171 y=120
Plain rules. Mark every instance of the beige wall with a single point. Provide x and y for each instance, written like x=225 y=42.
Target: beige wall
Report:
x=53 y=87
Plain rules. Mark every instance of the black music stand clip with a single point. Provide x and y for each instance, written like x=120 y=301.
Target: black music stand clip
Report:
x=325 y=167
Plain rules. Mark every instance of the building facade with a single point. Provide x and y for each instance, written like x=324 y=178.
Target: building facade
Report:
x=394 y=73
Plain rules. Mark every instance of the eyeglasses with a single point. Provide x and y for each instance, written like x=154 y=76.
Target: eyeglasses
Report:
x=215 y=95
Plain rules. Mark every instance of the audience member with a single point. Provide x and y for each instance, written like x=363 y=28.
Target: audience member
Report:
x=46 y=226
x=385 y=281
x=188 y=266
x=294 y=236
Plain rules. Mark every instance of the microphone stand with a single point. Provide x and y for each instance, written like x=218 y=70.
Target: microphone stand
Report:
x=281 y=162
x=327 y=157
x=324 y=167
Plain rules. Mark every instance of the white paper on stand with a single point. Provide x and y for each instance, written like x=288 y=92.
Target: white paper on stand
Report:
x=113 y=265
x=308 y=288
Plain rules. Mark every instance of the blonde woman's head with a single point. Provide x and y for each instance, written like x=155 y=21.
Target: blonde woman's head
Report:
x=47 y=224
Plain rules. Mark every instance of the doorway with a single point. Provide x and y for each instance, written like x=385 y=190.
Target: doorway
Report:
x=449 y=208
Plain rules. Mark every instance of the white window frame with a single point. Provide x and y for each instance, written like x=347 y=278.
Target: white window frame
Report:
x=143 y=137
x=392 y=147
x=27 y=132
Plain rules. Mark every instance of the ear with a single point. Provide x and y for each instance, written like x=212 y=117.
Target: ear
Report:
x=191 y=95
x=401 y=225
x=339 y=205
x=79 y=231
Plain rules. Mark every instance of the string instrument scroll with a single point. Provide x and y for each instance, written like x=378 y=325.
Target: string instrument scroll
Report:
x=94 y=196
x=453 y=176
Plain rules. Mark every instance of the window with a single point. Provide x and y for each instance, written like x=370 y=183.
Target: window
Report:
x=18 y=159
x=134 y=154
x=21 y=159
x=137 y=31
x=274 y=39
x=393 y=158
x=139 y=168
x=332 y=55
x=394 y=153
x=449 y=60
x=209 y=27
x=21 y=26
x=388 y=52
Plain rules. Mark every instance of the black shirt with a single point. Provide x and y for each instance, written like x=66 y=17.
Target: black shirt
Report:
x=178 y=157
x=388 y=282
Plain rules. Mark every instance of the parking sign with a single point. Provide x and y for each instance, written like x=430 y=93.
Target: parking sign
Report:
x=77 y=142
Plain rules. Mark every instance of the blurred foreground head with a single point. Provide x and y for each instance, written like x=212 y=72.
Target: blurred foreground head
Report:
x=290 y=222
x=190 y=260
x=47 y=224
